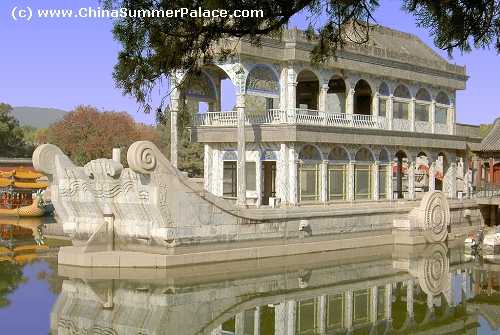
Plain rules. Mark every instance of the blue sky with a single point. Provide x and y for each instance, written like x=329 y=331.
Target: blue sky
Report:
x=61 y=63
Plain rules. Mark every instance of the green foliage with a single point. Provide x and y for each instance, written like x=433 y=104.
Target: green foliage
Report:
x=189 y=155
x=86 y=133
x=12 y=136
x=156 y=47
x=483 y=129
x=456 y=23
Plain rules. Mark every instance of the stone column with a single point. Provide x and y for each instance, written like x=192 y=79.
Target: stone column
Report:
x=432 y=176
x=324 y=181
x=291 y=88
x=256 y=321
x=479 y=173
x=282 y=174
x=409 y=298
x=390 y=111
x=411 y=179
x=349 y=102
x=208 y=167
x=376 y=178
x=241 y=167
x=350 y=181
x=451 y=119
x=466 y=180
x=284 y=318
x=374 y=305
x=390 y=173
x=432 y=116
x=260 y=180
x=174 y=110
x=449 y=290
x=349 y=311
x=322 y=97
x=294 y=194
x=412 y=114
x=453 y=180
x=388 y=302
x=322 y=315
x=375 y=104
x=239 y=323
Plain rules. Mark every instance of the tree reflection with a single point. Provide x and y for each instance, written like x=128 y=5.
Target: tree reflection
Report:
x=11 y=275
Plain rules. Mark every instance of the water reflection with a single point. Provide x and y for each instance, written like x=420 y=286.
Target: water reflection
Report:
x=382 y=290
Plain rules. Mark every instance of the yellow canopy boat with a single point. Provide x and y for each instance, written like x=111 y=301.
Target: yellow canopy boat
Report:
x=35 y=209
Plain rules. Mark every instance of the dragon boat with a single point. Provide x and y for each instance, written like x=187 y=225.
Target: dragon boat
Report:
x=35 y=209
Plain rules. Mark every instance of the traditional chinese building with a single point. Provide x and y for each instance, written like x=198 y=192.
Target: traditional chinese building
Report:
x=377 y=123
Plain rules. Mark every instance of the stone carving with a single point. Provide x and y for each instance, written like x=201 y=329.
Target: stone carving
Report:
x=433 y=269
x=434 y=217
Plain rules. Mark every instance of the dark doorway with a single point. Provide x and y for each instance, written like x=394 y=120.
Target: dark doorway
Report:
x=269 y=187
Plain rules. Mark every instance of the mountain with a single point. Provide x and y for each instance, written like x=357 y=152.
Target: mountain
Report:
x=37 y=117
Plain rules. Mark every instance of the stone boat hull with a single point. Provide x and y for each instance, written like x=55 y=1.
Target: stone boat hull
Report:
x=151 y=208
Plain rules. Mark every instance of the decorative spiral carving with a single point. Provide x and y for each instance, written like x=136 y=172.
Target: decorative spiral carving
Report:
x=44 y=158
x=434 y=217
x=433 y=268
x=141 y=156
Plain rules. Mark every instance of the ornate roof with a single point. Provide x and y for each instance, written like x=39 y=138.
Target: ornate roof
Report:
x=491 y=141
x=21 y=173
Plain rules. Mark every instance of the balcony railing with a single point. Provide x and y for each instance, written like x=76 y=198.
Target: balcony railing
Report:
x=313 y=117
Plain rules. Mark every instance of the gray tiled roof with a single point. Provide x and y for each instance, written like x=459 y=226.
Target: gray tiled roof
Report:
x=491 y=141
x=401 y=42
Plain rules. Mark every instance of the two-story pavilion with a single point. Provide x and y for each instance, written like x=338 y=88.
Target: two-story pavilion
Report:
x=377 y=122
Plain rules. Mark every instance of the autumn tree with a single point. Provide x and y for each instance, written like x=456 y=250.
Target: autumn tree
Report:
x=87 y=133
x=155 y=47
x=12 y=136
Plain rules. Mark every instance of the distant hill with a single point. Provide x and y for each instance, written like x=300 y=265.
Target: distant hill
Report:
x=37 y=117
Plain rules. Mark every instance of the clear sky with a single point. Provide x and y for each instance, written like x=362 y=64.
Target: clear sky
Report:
x=64 y=62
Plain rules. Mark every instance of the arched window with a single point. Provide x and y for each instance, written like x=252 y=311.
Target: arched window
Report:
x=422 y=105
x=337 y=174
x=400 y=106
x=363 y=175
x=309 y=176
x=442 y=98
x=442 y=111
x=336 y=95
x=262 y=78
x=201 y=88
x=384 y=93
x=362 y=98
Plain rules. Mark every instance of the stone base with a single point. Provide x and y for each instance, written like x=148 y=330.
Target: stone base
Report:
x=75 y=256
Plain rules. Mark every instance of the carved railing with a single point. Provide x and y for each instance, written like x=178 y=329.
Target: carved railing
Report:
x=401 y=125
x=441 y=128
x=314 y=117
x=423 y=127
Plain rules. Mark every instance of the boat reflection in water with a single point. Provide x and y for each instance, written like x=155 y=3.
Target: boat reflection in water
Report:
x=378 y=290
x=21 y=237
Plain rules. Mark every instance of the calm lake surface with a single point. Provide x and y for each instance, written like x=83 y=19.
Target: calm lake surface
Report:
x=433 y=289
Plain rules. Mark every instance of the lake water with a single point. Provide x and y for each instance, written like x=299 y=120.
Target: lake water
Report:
x=433 y=289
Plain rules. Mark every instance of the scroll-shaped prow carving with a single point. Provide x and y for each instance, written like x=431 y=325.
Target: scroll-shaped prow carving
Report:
x=142 y=156
x=44 y=158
